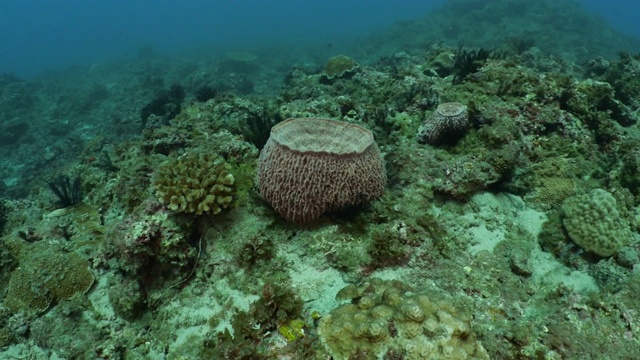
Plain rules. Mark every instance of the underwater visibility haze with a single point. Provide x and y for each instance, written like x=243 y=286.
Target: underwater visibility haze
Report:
x=39 y=35
x=340 y=180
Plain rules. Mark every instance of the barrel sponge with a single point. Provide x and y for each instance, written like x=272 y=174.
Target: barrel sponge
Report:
x=594 y=223
x=312 y=166
x=196 y=182
x=449 y=120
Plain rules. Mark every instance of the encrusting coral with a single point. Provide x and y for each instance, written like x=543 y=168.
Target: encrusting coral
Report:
x=45 y=277
x=385 y=316
x=197 y=182
x=313 y=166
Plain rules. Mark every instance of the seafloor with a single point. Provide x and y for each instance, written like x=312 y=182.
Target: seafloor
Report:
x=511 y=235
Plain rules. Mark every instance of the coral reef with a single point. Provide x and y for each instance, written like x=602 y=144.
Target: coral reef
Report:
x=313 y=166
x=196 y=182
x=4 y=212
x=620 y=74
x=386 y=316
x=126 y=296
x=277 y=310
x=486 y=206
x=153 y=239
x=166 y=105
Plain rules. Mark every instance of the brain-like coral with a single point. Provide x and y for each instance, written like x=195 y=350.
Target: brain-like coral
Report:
x=445 y=124
x=45 y=277
x=197 y=182
x=313 y=166
x=594 y=223
x=385 y=316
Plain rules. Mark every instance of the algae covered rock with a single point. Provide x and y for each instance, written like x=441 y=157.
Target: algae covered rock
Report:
x=153 y=237
x=385 y=317
x=197 y=182
x=593 y=221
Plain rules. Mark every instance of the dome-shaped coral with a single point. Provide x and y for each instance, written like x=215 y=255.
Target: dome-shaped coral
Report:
x=595 y=224
x=196 y=182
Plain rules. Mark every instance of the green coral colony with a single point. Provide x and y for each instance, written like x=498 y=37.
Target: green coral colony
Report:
x=440 y=203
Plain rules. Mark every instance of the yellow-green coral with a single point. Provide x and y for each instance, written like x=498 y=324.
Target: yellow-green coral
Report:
x=45 y=277
x=196 y=182
x=553 y=181
x=553 y=191
x=293 y=330
x=384 y=316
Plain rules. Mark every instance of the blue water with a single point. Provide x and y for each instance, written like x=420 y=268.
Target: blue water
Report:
x=36 y=35
x=40 y=34
x=622 y=15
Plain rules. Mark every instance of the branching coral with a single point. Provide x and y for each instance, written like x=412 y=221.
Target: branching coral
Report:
x=196 y=182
